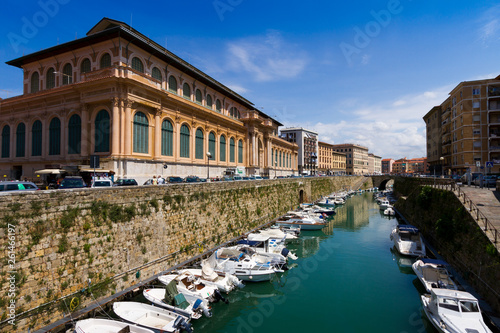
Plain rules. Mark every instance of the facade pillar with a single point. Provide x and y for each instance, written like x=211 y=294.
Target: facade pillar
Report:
x=115 y=127
x=255 y=148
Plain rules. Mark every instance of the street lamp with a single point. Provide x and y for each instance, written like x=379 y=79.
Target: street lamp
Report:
x=442 y=166
x=209 y=156
x=70 y=77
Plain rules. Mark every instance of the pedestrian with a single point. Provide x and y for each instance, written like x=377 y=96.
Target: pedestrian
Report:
x=155 y=182
x=161 y=180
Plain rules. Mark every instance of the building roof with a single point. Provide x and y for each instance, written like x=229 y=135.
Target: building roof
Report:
x=297 y=129
x=107 y=29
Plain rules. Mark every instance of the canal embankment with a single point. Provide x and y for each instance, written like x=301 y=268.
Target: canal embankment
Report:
x=67 y=249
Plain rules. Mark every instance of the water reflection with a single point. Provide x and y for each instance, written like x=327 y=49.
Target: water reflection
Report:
x=404 y=263
x=355 y=214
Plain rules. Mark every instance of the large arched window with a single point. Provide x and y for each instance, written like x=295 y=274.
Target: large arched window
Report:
x=67 y=74
x=172 y=84
x=105 y=61
x=199 y=144
x=240 y=151
x=35 y=82
x=50 y=79
x=222 y=146
x=218 y=106
x=232 y=148
x=186 y=91
x=74 y=134
x=209 y=101
x=198 y=96
x=280 y=161
x=156 y=74
x=275 y=158
x=167 y=138
x=232 y=112
x=141 y=133
x=137 y=64
x=211 y=144
x=6 y=141
x=85 y=66
x=20 y=140
x=102 y=132
x=184 y=141
x=55 y=136
x=36 y=138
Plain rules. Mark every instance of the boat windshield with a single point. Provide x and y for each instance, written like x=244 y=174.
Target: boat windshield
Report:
x=448 y=303
x=469 y=306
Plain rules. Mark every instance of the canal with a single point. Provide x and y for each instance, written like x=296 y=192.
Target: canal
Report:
x=347 y=279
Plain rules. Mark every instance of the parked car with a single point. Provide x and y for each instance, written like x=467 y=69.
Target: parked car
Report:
x=258 y=178
x=192 y=179
x=102 y=183
x=174 y=179
x=237 y=178
x=72 y=182
x=17 y=186
x=125 y=182
x=490 y=181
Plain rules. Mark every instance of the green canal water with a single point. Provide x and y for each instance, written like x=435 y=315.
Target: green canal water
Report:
x=347 y=279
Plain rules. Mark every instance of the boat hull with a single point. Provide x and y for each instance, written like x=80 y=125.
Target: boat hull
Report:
x=303 y=226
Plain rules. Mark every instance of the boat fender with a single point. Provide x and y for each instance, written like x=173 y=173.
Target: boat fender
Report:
x=218 y=296
x=182 y=325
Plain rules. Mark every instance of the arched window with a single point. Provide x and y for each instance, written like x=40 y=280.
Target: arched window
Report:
x=218 y=106
x=20 y=140
x=275 y=158
x=222 y=148
x=199 y=144
x=209 y=101
x=237 y=115
x=67 y=74
x=6 y=141
x=141 y=133
x=172 y=84
x=74 y=134
x=156 y=74
x=35 y=82
x=232 y=112
x=137 y=64
x=167 y=138
x=105 y=61
x=232 y=147
x=50 y=79
x=199 y=99
x=184 y=141
x=211 y=144
x=280 y=161
x=186 y=91
x=240 y=151
x=36 y=138
x=55 y=136
x=102 y=132
x=85 y=66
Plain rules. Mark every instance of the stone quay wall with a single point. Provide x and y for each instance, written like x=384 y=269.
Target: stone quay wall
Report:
x=63 y=249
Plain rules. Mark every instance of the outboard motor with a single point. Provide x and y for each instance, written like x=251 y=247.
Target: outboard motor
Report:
x=219 y=297
x=182 y=325
x=287 y=254
x=198 y=304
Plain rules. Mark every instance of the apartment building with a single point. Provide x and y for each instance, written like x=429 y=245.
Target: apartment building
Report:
x=330 y=162
x=307 y=142
x=356 y=158
x=387 y=165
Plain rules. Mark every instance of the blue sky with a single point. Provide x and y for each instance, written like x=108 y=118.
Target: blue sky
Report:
x=363 y=72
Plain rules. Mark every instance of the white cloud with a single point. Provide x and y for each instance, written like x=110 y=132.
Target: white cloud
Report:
x=237 y=88
x=392 y=129
x=266 y=58
x=489 y=31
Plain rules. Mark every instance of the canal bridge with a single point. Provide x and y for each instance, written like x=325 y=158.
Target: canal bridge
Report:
x=382 y=181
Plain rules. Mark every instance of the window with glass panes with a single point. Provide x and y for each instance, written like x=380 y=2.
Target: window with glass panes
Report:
x=211 y=144
x=102 y=132
x=172 y=84
x=6 y=141
x=20 y=140
x=156 y=74
x=209 y=101
x=222 y=149
x=35 y=82
x=137 y=64
x=218 y=106
x=167 y=138
x=184 y=141
x=105 y=61
x=50 y=79
x=199 y=98
x=199 y=144
x=67 y=74
x=186 y=91
x=231 y=150
x=85 y=66
x=240 y=151
x=74 y=134
x=36 y=138
x=55 y=137
x=141 y=133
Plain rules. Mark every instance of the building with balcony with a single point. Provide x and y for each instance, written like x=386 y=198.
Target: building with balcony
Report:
x=400 y=166
x=143 y=110
x=330 y=162
x=356 y=158
x=469 y=136
x=307 y=142
x=374 y=164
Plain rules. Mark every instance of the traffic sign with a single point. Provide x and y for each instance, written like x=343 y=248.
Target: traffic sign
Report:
x=489 y=164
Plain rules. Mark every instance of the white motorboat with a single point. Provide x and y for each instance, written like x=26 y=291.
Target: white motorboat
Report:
x=453 y=311
x=225 y=282
x=384 y=204
x=291 y=230
x=408 y=241
x=265 y=244
x=152 y=317
x=189 y=284
x=305 y=223
x=240 y=264
x=433 y=274
x=389 y=211
x=97 y=325
x=326 y=202
x=317 y=209
x=276 y=260
x=170 y=299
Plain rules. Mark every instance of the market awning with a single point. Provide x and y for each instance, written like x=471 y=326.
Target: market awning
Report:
x=49 y=171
